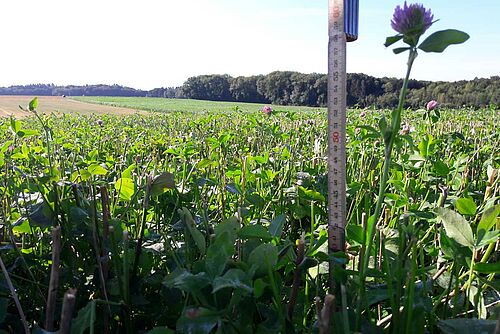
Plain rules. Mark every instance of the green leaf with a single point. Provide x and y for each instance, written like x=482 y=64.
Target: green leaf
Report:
x=400 y=50
x=489 y=218
x=198 y=237
x=477 y=299
x=96 y=169
x=285 y=153
x=21 y=225
x=27 y=133
x=161 y=330
x=127 y=173
x=33 y=104
x=453 y=250
x=126 y=188
x=41 y=215
x=186 y=281
x=5 y=146
x=231 y=226
x=311 y=195
x=78 y=215
x=486 y=238
x=466 y=206
x=15 y=125
x=355 y=233
x=219 y=253
x=276 y=227
x=456 y=227
x=85 y=319
x=197 y=321
x=307 y=263
x=264 y=257
x=441 y=168
x=487 y=268
x=440 y=40
x=466 y=326
x=375 y=296
x=254 y=231
x=84 y=175
x=424 y=146
x=391 y=40
x=233 y=278
x=161 y=183
x=259 y=286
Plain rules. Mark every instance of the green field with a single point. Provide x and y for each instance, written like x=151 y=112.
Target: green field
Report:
x=183 y=105
x=210 y=217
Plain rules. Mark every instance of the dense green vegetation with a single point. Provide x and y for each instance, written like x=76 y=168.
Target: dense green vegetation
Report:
x=214 y=220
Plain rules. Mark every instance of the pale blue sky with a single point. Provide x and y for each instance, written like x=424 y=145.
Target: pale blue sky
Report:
x=152 y=43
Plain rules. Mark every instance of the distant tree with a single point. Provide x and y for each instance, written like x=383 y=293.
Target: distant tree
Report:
x=304 y=92
x=321 y=88
x=276 y=87
x=168 y=92
x=244 y=89
x=207 y=87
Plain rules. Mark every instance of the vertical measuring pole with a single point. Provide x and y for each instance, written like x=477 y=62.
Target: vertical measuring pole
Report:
x=336 y=129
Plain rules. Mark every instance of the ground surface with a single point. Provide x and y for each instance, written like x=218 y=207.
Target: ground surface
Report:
x=9 y=105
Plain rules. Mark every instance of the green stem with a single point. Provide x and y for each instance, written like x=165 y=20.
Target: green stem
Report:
x=471 y=273
x=390 y=289
x=411 y=291
x=488 y=252
x=389 y=139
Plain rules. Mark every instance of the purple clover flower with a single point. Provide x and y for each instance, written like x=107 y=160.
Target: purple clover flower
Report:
x=431 y=105
x=412 y=20
x=267 y=110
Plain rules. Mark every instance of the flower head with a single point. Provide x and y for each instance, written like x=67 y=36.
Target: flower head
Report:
x=267 y=110
x=412 y=21
x=405 y=129
x=431 y=105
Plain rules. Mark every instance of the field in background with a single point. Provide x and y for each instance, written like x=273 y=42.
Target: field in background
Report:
x=172 y=105
x=9 y=105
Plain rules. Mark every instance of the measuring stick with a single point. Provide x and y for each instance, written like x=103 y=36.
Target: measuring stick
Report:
x=336 y=127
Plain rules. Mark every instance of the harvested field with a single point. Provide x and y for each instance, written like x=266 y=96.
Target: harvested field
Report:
x=9 y=105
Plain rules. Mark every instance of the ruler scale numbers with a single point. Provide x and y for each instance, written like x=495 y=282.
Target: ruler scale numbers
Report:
x=336 y=126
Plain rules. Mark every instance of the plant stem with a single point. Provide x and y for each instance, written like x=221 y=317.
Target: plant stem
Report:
x=54 y=279
x=389 y=139
x=14 y=296
x=410 y=286
x=296 y=278
x=67 y=311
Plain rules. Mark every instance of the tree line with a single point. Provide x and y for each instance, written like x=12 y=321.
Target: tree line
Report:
x=71 y=90
x=294 y=88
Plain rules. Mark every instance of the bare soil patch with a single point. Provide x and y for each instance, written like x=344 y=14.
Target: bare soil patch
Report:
x=9 y=105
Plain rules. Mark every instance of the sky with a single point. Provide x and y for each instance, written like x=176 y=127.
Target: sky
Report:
x=158 y=43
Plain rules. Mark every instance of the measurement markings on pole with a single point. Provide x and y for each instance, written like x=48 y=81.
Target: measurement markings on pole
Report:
x=336 y=126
